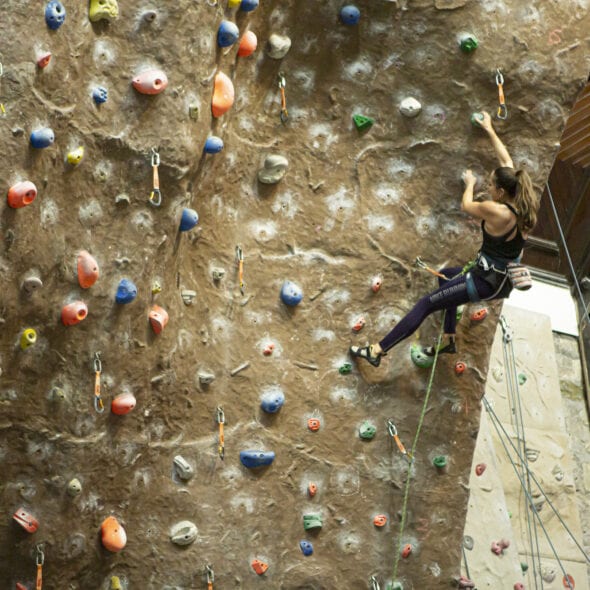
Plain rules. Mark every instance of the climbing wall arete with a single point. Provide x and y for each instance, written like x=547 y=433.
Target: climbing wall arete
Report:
x=287 y=188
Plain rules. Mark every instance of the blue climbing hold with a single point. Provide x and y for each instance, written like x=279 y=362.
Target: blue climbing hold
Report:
x=126 y=292
x=272 y=401
x=189 y=219
x=306 y=547
x=227 y=34
x=252 y=459
x=55 y=14
x=100 y=94
x=291 y=294
x=350 y=14
x=213 y=145
x=42 y=138
x=248 y=5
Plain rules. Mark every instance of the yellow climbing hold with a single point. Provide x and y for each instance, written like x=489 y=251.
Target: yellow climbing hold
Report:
x=103 y=9
x=116 y=583
x=75 y=156
x=233 y=3
x=28 y=338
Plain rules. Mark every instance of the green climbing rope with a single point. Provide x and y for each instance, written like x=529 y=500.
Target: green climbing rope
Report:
x=414 y=445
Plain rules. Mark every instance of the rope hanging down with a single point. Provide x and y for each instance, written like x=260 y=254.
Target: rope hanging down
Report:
x=413 y=453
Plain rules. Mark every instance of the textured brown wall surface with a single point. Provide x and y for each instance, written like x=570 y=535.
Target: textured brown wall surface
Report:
x=350 y=206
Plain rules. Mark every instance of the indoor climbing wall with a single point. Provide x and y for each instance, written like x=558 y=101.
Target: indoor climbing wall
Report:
x=206 y=204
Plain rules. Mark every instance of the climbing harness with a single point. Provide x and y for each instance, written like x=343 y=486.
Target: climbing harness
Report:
x=240 y=261
x=502 y=109
x=393 y=433
x=210 y=577
x=155 y=195
x=404 y=510
x=98 y=405
x=284 y=112
x=221 y=422
x=40 y=560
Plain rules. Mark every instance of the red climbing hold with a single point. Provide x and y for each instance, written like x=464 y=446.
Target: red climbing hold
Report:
x=376 y=283
x=479 y=315
x=406 y=551
x=460 y=367
x=74 y=313
x=312 y=489
x=21 y=194
x=313 y=424
x=380 y=520
x=20 y=586
x=123 y=404
x=44 y=59
x=359 y=324
x=268 y=349
x=26 y=520
x=567 y=578
x=519 y=586
x=248 y=44
x=259 y=566
x=480 y=468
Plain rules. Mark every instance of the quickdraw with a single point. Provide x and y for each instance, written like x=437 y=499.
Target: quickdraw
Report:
x=393 y=433
x=421 y=264
x=155 y=195
x=282 y=84
x=502 y=109
x=221 y=422
x=40 y=560
x=2 y=109
x=240 y=261
x=98 y=405
x=210 y=577
x=374 y=583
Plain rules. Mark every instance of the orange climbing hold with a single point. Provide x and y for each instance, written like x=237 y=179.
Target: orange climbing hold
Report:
x=259 y=566
x=87 y=269
x=114 y=537
x=123 y=404
x=359 y=324
x=248 y=44
x=158 y=318
x=406 y=551
x=21 y=194
x=312 y=489
x=313 y=424
x=567 y=578
x=44 y=59
x=460 y=367
x=380 y=520
x=479 y=315
x=26 y=520
x=223 y=95
x=74 y=313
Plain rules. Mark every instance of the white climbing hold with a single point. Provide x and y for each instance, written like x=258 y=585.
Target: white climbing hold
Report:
x=275 y=167
x=410 y=107
x=278 y=46
x=183 y=532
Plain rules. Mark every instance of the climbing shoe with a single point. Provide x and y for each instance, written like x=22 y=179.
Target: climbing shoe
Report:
x=366 y=352
x=450 y=348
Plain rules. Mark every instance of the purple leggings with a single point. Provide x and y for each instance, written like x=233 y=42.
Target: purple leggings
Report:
x=449 y=295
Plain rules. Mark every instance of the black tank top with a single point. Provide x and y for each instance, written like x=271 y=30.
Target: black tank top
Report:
x=499 y=247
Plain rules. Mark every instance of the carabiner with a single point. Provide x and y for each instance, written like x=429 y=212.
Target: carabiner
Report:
x=419 y=262
x=155 y=157
x=210 y=574
x=156 y=197
x=391 y=428
x=502 y=112
x=40 y=558
x=97 y=362
x=282 y=84
x=499 y=77
x=220 y=415
x=98 y=405
x=374 y=583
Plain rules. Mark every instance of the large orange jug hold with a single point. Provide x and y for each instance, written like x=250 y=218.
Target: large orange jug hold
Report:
x=21 y=194
x=87 y=269
x=158 y=318
x=114 y=537
x=223 y=95
x=123 y=404
x=248 y=44
x=150 y=82
x=74 y=313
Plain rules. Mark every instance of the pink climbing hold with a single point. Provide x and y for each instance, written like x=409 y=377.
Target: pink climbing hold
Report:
x=376 y=283
x=268 y=349
x=87 y=269
x=466 y=583
x=150 y=82
x=21 y=194
x=248 y=44
x=519 y=586
x=480 y=468
x=499 y=546
x=223 y=95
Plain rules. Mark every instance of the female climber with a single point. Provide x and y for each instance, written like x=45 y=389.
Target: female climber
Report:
x=506 y=221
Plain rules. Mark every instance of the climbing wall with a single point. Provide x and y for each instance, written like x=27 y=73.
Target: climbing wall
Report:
x=307 y=197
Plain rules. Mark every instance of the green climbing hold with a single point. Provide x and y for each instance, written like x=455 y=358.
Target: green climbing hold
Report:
x=468 y=43
x=459 y=314
x=394 y=586
x=419 y=358
x=312 y=521
x=367 y=430
x=524 y=566
x=440 y=462
x=361 y=122
x=345 y=369
x=521 y=378
x=476 y=119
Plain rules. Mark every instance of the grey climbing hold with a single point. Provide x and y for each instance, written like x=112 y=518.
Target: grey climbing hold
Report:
x=57 y=394
x=278 y=46
x=74 y=487
x=274 y=169
x=188 y=296
x=183 y=532
x=183 y=468
x=31 y=283
x=206 y=377
x=410 y=107
x=468 y=542
x=122 y=199
x=217 y=273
